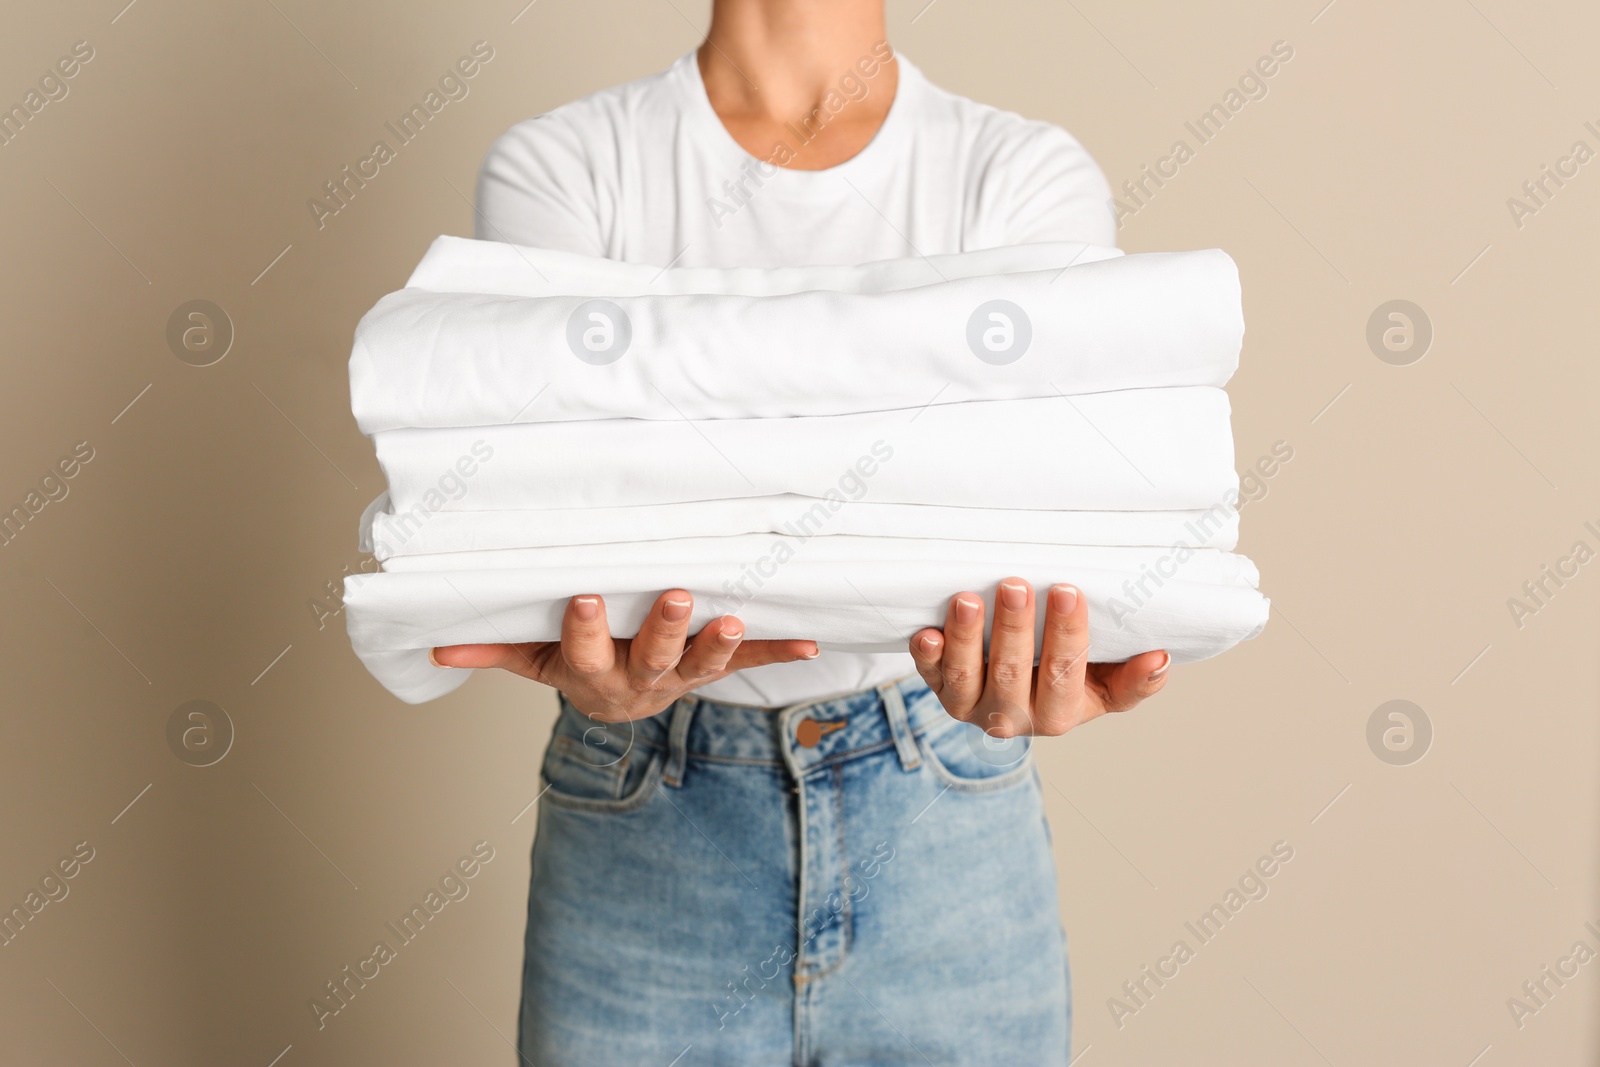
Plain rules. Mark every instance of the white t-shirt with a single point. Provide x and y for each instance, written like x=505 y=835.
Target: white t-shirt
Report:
x=646 y=173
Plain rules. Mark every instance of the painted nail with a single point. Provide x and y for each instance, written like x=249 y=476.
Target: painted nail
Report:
x=967 y=610
x=1013 y=596
x=813 y=654
x=732 y=633
x=586 y=608
x=1166 y=661
x=676 y=610
x=1064 y=599
x=929 y=644
x=433 y=659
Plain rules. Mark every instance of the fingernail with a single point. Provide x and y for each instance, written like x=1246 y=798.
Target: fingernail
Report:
x=586 y=608
x=676 y=610
x=433 y=659
x=967 y=610
x=929 y=644
x=1013 y=596
x=1166 y=661
x=1064 y=599
x=813 y=654
x=732 y=632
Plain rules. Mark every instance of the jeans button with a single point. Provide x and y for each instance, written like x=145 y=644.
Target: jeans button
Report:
x=808 y=732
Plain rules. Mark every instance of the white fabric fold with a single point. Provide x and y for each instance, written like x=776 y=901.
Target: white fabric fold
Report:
x=428 y=359
x=1193 y=604
x=1139 y=450
x=745 y=557
x=387 y=534
x=461 y=265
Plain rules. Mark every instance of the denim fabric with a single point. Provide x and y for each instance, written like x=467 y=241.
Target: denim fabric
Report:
x=709 y=890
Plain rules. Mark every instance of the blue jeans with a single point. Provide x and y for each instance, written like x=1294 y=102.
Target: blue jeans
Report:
x=863 y=880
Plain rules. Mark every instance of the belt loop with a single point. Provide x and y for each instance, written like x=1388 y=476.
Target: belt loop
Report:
x=894 y=706
x=678 y=742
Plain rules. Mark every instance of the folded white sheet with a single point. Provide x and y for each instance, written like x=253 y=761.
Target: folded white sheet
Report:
x=460 y=265
x=744 y=554
x=387 y=534
x=1133 y=450
x=1193 y=604
x=430 y=359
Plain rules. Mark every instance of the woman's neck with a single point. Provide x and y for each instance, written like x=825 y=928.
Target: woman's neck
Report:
x=769 y=65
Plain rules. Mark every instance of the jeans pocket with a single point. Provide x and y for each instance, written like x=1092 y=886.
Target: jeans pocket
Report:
x=970 y=761
x=592 y=766
x=570 y=782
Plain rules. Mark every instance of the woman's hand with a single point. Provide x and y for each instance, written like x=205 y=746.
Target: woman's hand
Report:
x=1009 y=697
x=630 y=678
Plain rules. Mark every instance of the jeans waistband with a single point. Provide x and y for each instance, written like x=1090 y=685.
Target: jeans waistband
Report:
x=803 y=737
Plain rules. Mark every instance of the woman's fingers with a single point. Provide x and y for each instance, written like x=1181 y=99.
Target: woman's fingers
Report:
x=960 y=668
x=657 y=661
x=711 y=650
x=1058 y=696
x=1004 y=693
x=469 y=655
x=761 y=653
x=526 y=660
x=1122 y=685
x=586 y=643
x=1008 y=690
x=658 y=646
x=927 y=646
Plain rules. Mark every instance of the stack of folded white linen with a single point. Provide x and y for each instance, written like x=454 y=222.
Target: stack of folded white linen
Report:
x=828 y=452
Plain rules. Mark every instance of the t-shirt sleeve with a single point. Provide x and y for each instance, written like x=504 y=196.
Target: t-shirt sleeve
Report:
x=1042 y=185
x=537 y=187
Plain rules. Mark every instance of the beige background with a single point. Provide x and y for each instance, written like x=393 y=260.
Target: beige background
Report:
x=182 y=562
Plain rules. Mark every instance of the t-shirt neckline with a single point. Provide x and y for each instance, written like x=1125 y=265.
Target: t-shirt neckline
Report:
x=699 y=105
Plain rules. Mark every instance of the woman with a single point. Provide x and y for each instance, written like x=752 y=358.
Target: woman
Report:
x=749 y=852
